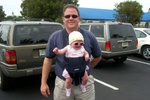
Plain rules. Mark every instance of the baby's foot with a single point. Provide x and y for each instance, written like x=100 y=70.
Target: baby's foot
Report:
x=68 y=92
x=83 y=88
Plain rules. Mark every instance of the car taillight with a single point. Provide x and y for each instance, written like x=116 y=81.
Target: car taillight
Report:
x=107 y=46
x=120 y=23
x=136 y=42
x=10 y=57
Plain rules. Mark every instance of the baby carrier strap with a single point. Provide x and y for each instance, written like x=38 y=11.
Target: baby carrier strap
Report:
x=64 y=43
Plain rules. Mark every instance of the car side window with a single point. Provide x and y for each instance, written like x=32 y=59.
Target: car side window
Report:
x=147 y=31
x=86 y=27
x=97 y=30
x=139 y=34
x=4 y=34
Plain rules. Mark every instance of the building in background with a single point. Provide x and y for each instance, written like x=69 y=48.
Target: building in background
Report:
x=104 y=15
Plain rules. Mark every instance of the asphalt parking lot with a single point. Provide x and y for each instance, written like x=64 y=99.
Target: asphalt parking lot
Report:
x=127 y=81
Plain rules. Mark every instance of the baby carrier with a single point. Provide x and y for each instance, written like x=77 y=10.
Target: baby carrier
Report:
x=75 y=66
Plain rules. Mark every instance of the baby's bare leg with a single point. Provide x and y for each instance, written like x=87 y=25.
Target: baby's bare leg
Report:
x=85 y=78
x=68 y=82
x=84 y=81
x=68 y=86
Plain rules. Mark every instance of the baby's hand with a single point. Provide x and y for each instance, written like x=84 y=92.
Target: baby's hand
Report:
x=86 y=58
x=55 y=50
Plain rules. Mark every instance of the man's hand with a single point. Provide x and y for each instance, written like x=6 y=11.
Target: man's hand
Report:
x=45 y=91
x=86 y=58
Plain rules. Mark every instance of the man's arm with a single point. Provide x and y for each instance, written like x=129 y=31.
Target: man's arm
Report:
x=95 y=61
x=45 y=73
x=46 y=69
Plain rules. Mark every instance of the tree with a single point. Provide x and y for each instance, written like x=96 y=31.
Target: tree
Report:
x=14 y=18
x=129 y=11
x=2 y=14
x=44 y=9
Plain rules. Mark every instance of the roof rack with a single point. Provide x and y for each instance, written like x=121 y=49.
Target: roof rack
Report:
x=31 y=19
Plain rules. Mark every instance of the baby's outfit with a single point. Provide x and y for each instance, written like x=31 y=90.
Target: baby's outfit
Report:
x=72 y=53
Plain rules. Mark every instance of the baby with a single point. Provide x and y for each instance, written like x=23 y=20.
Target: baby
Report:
x=75 y=49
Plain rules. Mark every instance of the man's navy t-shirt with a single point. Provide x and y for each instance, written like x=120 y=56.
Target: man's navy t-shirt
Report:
x=59 y=39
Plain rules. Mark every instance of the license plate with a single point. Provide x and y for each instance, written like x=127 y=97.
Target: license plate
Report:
x=124 y=44
x=42 y=52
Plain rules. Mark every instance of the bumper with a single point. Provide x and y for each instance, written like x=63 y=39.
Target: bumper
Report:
x=109 y=54
x=11 y=71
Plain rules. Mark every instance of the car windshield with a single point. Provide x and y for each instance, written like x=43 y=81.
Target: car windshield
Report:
x=147 y=31
x=33 y=34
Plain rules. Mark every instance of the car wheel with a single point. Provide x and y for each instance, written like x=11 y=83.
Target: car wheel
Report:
x=120 y=59
x=4 y=81
x=146 y=52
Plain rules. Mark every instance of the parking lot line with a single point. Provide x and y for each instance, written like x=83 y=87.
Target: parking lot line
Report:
x=105 y=84
x=139 y=61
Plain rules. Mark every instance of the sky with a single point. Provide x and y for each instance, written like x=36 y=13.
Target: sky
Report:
x=10 y=6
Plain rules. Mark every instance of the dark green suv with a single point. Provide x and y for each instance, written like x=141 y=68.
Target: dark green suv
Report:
x=22 y=48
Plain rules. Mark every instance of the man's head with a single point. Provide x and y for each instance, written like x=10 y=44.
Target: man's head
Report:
x=71 y=17
x=71 y=6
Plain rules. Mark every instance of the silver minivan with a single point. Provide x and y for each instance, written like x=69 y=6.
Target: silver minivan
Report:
x=117 y=40
x=22 y=48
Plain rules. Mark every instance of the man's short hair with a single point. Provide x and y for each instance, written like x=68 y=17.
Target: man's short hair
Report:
x=70 y=6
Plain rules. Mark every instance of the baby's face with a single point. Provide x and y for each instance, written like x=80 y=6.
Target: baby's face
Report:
x=77 y=44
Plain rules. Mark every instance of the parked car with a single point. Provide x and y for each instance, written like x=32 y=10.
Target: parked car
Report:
x=22 y=48
x=117 y=40
x=143 y=35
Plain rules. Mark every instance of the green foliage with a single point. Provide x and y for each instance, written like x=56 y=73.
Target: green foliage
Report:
x=2 y=14
x=17 y=18
x=129 y=11
x=44 y=9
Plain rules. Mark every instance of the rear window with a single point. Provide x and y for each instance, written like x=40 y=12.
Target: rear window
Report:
x=121 y=31
x=33 y=34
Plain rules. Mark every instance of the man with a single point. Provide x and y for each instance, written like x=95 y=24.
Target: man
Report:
x=59 y=39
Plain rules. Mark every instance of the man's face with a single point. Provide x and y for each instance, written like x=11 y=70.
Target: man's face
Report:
x=71 y=18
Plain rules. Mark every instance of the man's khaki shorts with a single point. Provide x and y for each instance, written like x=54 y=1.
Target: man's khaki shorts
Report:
x=76 y=93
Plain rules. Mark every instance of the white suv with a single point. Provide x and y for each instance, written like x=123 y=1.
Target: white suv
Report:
x=143 y=35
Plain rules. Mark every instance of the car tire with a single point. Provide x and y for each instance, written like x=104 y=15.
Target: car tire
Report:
x=145 y=52
x=4 y=81
x=120 y=59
